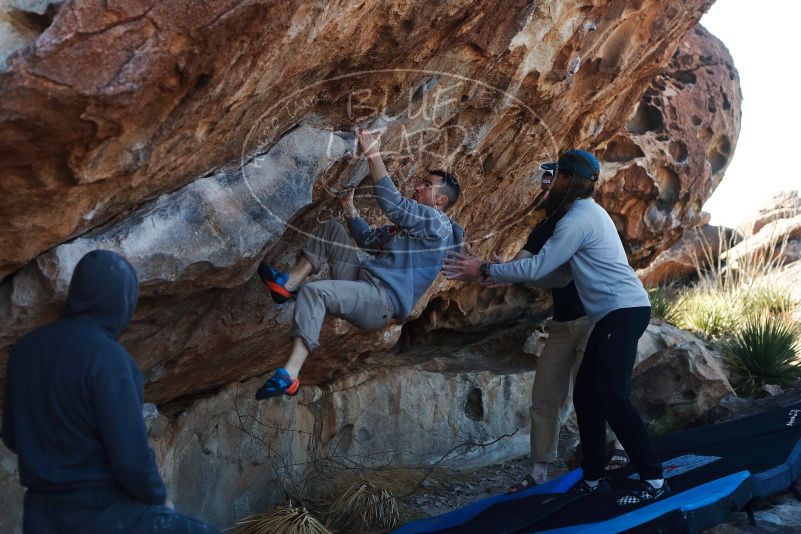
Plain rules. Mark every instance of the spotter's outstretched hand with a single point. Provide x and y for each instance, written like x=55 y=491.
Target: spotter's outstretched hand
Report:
x=489 y=282
x=464 y=267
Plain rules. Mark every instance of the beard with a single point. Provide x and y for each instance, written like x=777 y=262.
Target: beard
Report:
x=553 y=201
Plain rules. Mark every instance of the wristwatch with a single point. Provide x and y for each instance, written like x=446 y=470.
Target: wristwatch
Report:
x=484 y=269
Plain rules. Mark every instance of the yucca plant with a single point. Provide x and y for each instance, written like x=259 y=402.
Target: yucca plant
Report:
x=764 y=350
x=365 y=506
x=281 y=520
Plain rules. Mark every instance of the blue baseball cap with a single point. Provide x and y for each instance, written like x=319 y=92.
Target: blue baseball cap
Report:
x=578 y=162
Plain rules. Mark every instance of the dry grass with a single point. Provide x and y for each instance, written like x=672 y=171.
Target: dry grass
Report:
x=743 y=308
x=281 y=520
x=661 y=302
x=705 y=310
x=725 y=296
x=365 y=506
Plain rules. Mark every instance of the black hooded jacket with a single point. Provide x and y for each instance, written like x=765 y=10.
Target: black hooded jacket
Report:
x=73 y=401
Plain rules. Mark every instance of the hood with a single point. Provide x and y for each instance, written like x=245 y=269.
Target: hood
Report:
x=104 y=289
x=458 y=236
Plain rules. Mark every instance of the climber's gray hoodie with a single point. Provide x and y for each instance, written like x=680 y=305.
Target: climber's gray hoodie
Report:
x=409 y=253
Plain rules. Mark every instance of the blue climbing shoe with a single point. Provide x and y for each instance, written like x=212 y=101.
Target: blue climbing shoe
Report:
x=275 y=281
x=278 y=384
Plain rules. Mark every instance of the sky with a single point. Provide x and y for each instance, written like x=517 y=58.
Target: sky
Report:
x=764 y=40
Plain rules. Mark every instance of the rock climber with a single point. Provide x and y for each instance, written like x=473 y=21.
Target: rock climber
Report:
x=407 y=258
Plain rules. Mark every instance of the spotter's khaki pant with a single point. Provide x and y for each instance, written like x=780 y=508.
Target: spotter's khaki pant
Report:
x=556 y=370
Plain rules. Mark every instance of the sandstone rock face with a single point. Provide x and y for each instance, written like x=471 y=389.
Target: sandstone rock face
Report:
x=202 y=140
x=21 y=22
x=196 y=140
x=774 y=232
x=698 y=248
x=111 y=105
x=784 y=205
x=675 y=147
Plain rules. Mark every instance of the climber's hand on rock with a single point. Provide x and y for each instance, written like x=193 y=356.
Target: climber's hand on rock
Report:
x=346 y=200
x=468 y=251
x=368 y=144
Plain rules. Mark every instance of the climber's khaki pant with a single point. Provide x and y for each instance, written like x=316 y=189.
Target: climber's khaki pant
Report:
x=553 y=381
x=352 y=293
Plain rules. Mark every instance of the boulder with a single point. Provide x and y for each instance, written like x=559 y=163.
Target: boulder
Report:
x=678 y=381
x=698 y=249
x=674 y=149
x=784 y=205
x=195 y=223
x=112 y=105
x=776 y=243
x=21 y=22
x=679 y=387
x=781 y=516
x=198 y=139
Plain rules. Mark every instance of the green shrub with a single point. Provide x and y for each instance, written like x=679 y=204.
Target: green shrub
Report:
x=769 y=300
x=763 y=351
x=715 y=314
x=727 y=292
x=661 y=302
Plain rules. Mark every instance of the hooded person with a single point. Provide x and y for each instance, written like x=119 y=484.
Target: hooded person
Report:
x=72 y=412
